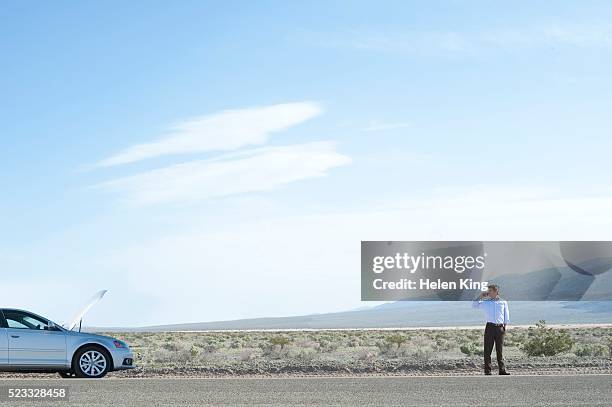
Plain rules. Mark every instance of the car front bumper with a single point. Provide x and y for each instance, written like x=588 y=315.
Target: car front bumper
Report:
x=123 y=359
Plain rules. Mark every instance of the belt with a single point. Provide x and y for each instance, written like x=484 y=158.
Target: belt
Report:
x=491 y=323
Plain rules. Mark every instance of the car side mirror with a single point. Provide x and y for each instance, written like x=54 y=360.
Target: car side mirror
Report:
x=51 y=326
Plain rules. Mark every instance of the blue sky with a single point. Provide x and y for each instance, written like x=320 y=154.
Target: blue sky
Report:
x=216 y=160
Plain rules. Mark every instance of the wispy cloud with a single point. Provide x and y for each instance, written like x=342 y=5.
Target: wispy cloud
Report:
x=420 y=43
x=550 y=34
x=224 y=131
x=250 y=171
x=576 y=35
x=384 y=126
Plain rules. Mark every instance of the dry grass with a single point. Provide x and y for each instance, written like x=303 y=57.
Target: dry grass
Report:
x=233 y=349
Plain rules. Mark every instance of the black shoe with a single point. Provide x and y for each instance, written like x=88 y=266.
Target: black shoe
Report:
x=487 y=373
x=504 y=374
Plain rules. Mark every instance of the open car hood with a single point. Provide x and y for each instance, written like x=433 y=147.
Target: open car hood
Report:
x=79 y=316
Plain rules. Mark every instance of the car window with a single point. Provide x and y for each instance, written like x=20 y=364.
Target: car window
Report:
x=23 y=320
x=14 y=324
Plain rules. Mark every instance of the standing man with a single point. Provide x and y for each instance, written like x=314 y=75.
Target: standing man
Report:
x=497 y=317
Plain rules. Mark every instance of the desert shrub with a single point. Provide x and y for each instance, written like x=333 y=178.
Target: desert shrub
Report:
x=307 y=344
x=396 y=339
x=163 y=355
x=443 y=344
x=422 y=348
x=273 y=351
x=468 y=349
x=353 y=343
x=424 y=353
x=327 y=346
x=517 y=339
x=396 y=346
x=305 y=353
x=596 y=350
x=211 y=348
x=281 y=341
x=365 y=354
x=391 y=350
x=384 y=347
x=471 y=349
x=608 y=344
x=545 y=341
x=195 y=351
x=246 y=355
x=305 y=349
x=174 y=346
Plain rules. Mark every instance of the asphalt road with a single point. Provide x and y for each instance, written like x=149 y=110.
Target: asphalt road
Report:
x=495 y=391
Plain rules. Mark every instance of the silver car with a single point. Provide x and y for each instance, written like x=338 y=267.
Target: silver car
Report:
x=31 y=343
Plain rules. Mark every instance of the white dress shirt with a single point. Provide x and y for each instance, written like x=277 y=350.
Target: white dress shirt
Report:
x=496 y=310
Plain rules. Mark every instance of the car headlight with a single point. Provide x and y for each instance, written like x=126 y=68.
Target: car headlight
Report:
x=120 y=344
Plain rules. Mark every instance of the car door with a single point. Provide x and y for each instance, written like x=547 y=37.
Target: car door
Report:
x=3 y=342
x=32 y=342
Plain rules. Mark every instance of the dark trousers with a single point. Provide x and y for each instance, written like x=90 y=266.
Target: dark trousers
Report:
x=494 y=335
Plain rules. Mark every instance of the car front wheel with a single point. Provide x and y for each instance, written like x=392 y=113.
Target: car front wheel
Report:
x=91 y=362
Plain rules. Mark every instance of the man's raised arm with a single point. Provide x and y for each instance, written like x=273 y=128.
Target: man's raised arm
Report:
x=478 y=301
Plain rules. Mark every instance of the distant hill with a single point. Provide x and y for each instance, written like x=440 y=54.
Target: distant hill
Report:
x=411 y=314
